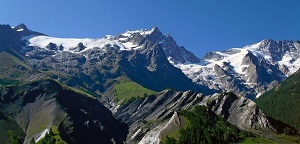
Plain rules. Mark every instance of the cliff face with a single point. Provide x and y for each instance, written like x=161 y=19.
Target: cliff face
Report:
x=147 y=117
x=239 y=111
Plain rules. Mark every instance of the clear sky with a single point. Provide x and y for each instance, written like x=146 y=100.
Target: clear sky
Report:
x=198 y=25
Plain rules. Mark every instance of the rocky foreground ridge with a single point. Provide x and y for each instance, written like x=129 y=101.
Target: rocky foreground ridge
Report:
x=151 y=118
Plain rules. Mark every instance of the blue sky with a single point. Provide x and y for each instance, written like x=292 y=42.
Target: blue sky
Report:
x=198 y=25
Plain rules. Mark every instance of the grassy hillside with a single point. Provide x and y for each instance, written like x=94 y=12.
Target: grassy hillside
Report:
x=11 y=66
x=272 y=139
x=125 y=90
x=283 y=101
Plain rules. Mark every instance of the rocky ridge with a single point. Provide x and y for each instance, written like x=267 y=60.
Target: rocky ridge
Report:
x=148 y=118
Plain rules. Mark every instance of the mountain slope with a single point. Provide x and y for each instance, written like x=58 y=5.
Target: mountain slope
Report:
x=14 y=71
x=39 y=105
x=282 y=102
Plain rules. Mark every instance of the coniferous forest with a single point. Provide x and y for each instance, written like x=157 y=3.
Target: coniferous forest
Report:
x=283 y=101
x=205 y=127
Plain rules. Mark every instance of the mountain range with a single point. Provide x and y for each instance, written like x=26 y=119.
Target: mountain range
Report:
x=131 y=87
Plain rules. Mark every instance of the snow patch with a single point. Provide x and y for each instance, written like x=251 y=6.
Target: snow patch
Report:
x=129 y=46
x=43 y=134
x=70 y=43
x=20 y=30
x=258 y=95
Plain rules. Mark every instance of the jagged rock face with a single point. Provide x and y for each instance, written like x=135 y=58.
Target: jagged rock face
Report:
x=80 y=119
x=149 y=117
x=277 y=49
x=226 y=77
x=161 y=106
x=172 y=50
x=260 y=71
x=145 y=114
x=239 y=111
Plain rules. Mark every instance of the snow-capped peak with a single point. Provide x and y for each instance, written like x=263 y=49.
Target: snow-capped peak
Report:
x=110 y=37
x=143 y=32
x=245 y=69
x=23 y=31
x=20 y=28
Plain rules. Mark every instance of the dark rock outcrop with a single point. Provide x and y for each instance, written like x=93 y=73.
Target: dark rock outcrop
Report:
x=213 y=56
x=79 y=47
